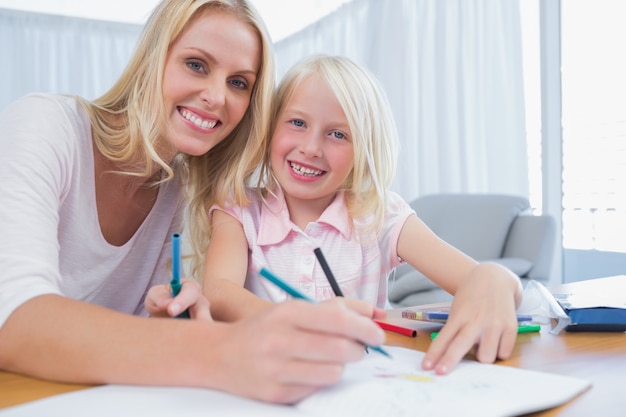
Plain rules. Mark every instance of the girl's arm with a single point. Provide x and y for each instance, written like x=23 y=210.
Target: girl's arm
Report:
x=486 y=296
x=439 y=261
x=225 y=271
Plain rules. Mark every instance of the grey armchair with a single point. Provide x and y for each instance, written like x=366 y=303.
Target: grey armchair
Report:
x=488 y=227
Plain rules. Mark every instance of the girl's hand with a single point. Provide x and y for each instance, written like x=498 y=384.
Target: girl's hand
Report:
x=483 y=314
x=160 y=303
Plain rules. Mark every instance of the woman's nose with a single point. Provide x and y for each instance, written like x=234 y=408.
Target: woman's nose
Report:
x=214 y=92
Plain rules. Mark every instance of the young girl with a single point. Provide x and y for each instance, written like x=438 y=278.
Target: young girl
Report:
x=324 y=183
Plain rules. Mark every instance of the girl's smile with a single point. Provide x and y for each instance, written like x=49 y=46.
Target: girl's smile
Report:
x=304 y=173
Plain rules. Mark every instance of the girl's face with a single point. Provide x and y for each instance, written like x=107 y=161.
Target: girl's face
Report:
x=311 y=151
x=208 y=79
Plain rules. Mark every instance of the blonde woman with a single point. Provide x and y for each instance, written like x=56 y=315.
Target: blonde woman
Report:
x=91 y=192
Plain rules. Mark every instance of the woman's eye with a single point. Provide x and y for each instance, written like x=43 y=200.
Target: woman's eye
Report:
x=297 y=122
x=239 y=84
x=195 y=66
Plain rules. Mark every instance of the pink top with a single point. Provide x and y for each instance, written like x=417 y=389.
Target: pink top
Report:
x=360 y=265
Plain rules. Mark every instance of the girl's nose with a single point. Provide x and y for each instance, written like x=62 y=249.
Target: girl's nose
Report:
x=312 y=145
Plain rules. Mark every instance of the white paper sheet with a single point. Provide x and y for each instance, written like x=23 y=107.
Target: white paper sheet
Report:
x=374 y=387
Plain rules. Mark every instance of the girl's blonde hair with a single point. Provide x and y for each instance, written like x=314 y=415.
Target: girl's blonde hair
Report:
x=372 y=126
x=127 y=120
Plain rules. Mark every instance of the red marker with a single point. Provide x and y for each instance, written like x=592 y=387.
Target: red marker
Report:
x=396 y=329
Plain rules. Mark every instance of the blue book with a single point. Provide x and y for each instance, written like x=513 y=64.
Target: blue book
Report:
x=596 y=305
x=598 y=319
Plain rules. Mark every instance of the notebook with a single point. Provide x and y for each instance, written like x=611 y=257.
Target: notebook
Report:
x=376 y=386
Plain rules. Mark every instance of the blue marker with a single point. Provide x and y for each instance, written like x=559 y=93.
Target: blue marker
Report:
x=442 y=316
x=175 y=282
x=297 y=294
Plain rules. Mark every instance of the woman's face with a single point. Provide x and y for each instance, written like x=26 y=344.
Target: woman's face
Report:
x=207 y=82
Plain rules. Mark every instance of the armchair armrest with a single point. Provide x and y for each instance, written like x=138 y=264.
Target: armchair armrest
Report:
x=533 y=238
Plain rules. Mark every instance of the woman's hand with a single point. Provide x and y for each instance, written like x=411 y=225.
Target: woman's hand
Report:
x=160 y=302
x=364 y=308
x=293 y=349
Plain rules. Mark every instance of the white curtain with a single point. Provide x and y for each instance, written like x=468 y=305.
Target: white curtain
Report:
x=452 y=70
x=46 y=53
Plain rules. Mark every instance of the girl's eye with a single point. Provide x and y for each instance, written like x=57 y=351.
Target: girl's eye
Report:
x=337 y=134
x=297 y=122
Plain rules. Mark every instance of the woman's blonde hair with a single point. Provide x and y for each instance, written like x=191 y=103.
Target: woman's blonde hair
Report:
x=372 y=126
x=127 y=120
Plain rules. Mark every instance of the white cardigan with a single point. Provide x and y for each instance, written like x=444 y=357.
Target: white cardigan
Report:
x=50 y=237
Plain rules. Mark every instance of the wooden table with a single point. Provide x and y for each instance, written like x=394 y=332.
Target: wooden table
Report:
x=17 y=389
x=598 y=357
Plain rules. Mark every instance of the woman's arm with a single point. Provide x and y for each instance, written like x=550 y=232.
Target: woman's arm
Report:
x=282 y=355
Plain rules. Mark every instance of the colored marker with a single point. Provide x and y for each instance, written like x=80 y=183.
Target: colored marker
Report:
x=396 y=329
x=328 y=272
x=526 y=328
x=437 y=316
x=175 y=282
x=529 y=328
x=297 y=294
x=329 y=275
x=442 y=316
